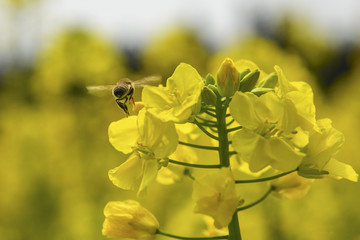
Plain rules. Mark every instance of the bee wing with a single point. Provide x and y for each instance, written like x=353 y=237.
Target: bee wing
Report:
x=150 y=80
x=100 y=90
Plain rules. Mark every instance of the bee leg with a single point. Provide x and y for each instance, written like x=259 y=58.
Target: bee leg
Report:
x=123 y=106
x=130 y=97
x=133 y=100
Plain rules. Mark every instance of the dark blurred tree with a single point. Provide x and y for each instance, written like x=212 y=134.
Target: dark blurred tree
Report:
x=325 y=57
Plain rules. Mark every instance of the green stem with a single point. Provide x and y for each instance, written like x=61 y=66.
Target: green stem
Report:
x=210 y=113
x=223 y=134
x=210 y=110
x=198 y=146
x=213 y=129
x=257 y=201
x=205 y=131
x=207 y=120
x=224 y=155
x=229 y=123
x=234 y=128
x=194 y=165
x=206 y=123
x=265 y=179
x=232 y=152
x=194 y=238
x=234 y=228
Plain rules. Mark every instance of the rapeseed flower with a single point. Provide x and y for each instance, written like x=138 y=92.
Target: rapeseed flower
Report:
x=215 y=195
x=323 y=145
x=179 y=100
x=128 y=219
x=150 y=142
x=266 y=134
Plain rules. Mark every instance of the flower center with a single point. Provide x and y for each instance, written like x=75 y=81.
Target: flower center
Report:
x=268 y=130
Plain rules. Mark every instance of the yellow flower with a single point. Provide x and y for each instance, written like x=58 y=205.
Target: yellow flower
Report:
x=266 y=137
x=291 y=186
x=179 y=100
x=151 y=141
x=323 y=145
x=215 y=196
x=128 y=219
x=301 y=95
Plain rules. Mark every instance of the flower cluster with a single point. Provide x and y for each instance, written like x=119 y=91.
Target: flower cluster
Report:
x=265 y=120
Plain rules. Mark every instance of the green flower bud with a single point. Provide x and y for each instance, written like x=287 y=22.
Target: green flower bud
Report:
x=249 y=81
x=243 y=73
x=228 y=78
x=269 y=82
x=215 y=90
x=260 y=91
x=208 y=96
x=311 y=172
x=209 y=79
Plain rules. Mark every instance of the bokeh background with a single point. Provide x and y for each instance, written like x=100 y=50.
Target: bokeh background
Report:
x=54 y=149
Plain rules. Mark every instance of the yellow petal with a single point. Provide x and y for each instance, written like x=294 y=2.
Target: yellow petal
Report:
x=128 y=175
x=253 y=148
x=341 y=170
x=284 y=157
x=247 y=64
x=160 y=137
x=242 y=109
x=123 y=134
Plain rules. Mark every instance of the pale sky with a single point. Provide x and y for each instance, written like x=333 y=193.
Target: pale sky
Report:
x=133 y=22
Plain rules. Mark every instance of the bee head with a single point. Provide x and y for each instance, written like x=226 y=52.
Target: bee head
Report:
x=124 y=88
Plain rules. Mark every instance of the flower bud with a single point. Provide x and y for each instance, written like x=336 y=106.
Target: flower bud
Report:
x=244 y=72
x=308 y=172
x=269 y=82
x=209 y=79
x=228 y=78
x=260 y=91
x=249 y=81
x=208 y=96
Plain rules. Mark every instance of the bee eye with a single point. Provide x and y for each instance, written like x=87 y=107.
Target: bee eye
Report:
x=119 y=91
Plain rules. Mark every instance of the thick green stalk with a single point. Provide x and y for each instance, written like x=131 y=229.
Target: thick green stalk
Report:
x=222 y=133
x=234 y=228
x=224 y=155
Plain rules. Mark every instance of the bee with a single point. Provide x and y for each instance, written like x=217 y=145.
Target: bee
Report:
x=124 y=90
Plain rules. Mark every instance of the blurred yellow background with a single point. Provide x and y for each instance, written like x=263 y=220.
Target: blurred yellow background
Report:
x=54 y=149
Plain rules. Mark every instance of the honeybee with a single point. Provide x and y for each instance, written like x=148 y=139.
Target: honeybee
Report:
x=124 y=89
